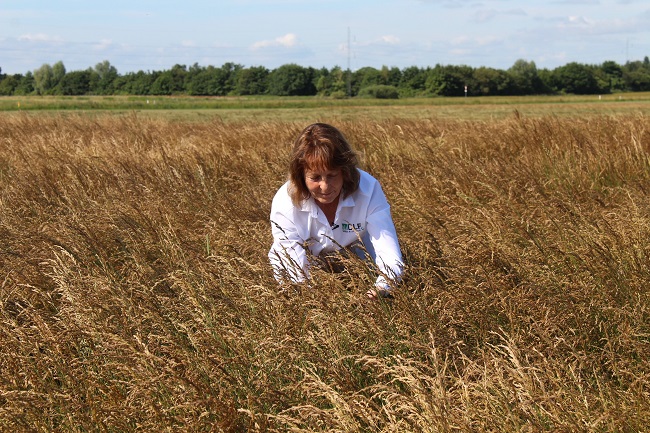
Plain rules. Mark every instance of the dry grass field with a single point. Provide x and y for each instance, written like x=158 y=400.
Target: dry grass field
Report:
x=135 y=292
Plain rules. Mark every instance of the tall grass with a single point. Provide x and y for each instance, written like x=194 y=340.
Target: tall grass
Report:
x=135 y=291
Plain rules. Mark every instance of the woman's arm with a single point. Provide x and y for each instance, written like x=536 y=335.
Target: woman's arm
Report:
x=287 y=255
x=383 y=236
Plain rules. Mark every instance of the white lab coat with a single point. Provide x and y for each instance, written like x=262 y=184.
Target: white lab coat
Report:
x=363 y=215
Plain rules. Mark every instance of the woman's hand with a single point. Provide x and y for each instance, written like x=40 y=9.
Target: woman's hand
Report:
x=377 y=292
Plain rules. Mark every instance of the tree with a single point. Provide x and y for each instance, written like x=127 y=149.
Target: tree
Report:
x=391 y=76
x=612 y=75
x=209 y=81
x=252 y=81
x=104 y=75
x=9 y=83
x=170 y=82
x=26 y=85
x=292 y=80
x=138 y=83
x=76 y=83
x=522 y=77
x=576 y=78
x=163 y=85
x=490 y=82
x=58 y=72
x=413 y=81
x=612 y=69
x=637 y=80
x=332 y=83
x=449 y=80
x=633 y=66
x=43 y=79
x=368 y=76
x=178 y=74
x=198 y=83
x=525 y=78
x=231 y=71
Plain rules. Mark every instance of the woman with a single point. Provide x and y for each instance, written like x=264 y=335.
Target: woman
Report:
x=329 y=203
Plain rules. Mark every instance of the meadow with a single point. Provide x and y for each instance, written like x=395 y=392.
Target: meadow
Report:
x=305 y=109
x=136 y=295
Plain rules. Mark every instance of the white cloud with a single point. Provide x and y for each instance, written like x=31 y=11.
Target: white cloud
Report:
x=577 y=2
x=449 y=3
x=381 y=41
x=459 y=51
x=485 y=15
x=579 y=21
x=103 y=45
x=487 y=40
x=390 y=39
x=460 y=40
x=39 y=37
x=287 y=41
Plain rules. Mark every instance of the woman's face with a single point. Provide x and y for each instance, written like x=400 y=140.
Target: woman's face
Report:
x=324 y=184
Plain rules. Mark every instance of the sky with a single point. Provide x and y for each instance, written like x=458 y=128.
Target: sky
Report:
x=153 y=35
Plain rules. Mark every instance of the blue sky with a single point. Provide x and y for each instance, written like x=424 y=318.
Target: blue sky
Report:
x=156 y=34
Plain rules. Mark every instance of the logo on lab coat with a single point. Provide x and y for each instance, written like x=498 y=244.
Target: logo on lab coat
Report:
x=347 y=228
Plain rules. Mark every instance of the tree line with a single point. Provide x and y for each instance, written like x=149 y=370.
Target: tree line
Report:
x=522 y=78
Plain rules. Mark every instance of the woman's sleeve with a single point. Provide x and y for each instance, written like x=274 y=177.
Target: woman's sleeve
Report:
x=383 y=236
x=287 y=255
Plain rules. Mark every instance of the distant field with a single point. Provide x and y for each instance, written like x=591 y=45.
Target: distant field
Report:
x=309 y=108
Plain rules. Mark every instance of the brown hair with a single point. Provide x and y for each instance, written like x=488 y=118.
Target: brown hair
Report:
x=321 y=146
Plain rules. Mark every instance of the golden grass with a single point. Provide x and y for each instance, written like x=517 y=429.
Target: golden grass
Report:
x=135 y=291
